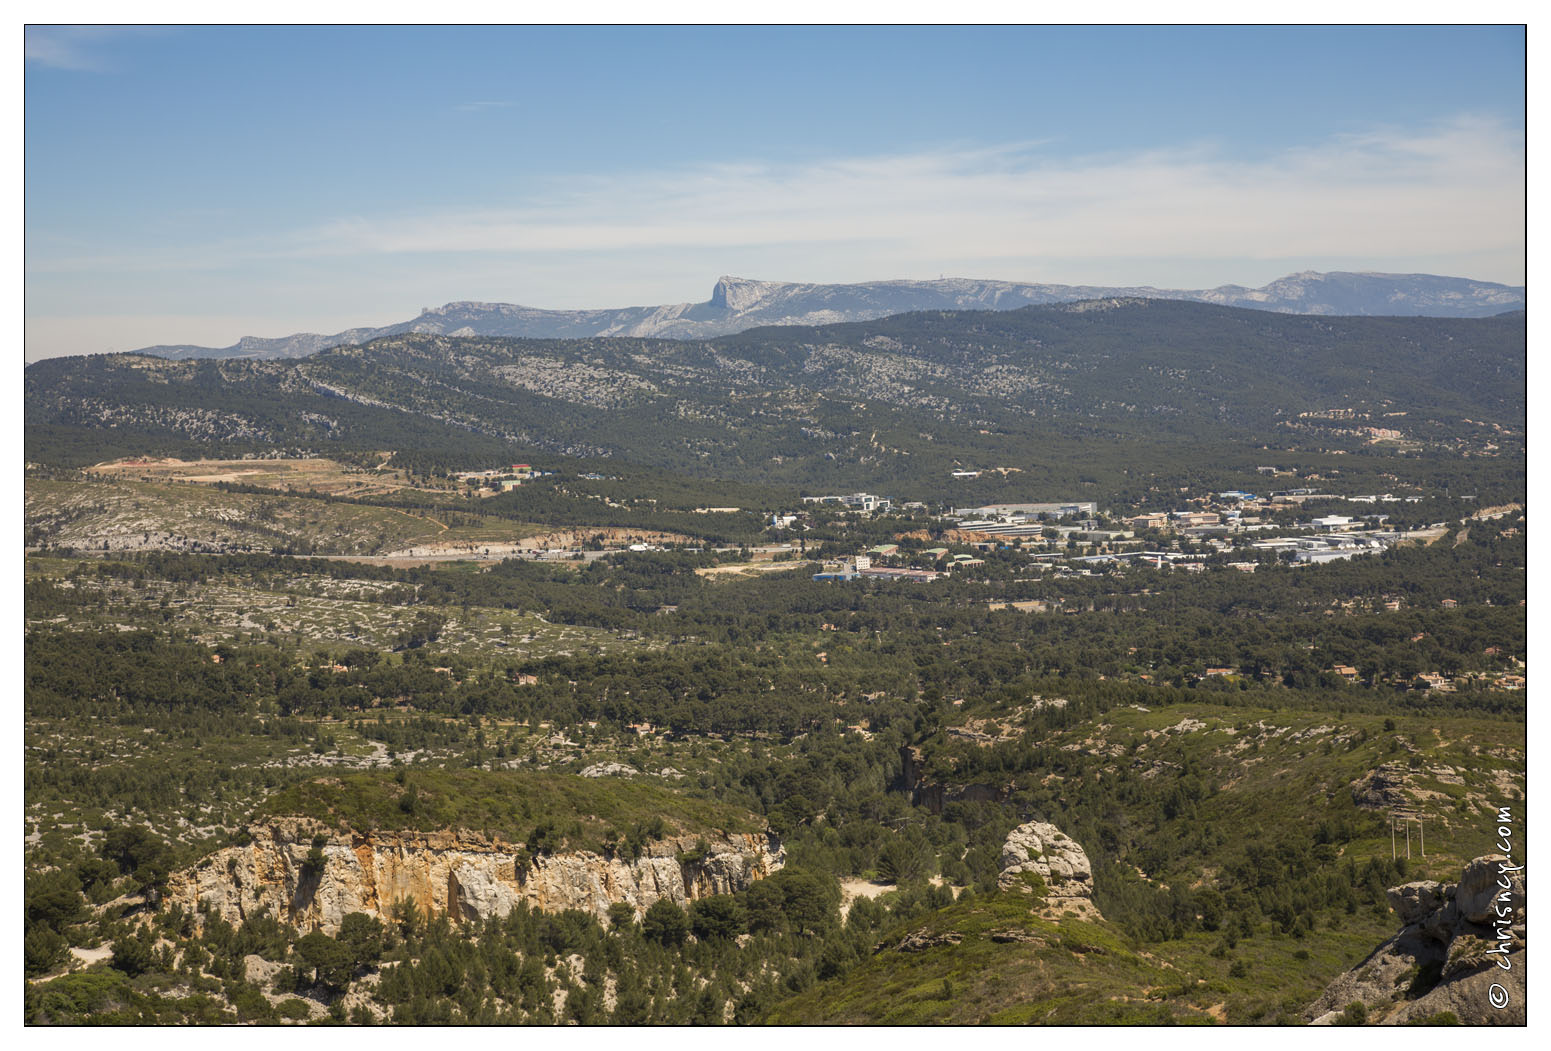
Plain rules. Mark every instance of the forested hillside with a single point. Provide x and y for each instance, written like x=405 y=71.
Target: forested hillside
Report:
x=1067 y=393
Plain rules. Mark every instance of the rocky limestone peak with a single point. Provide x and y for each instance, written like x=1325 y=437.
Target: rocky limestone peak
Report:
x=739 y=294
x=1457 y=940
x=1043 y=850
x=462 y=306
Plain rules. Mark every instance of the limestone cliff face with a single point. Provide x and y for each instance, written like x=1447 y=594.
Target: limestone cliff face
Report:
x=461 y=875
x=1041 y=849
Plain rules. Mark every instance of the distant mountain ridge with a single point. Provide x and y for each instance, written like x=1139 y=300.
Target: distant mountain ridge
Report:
x=738 y=304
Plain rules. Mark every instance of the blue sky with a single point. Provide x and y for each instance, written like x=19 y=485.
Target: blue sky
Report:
x=197 y=185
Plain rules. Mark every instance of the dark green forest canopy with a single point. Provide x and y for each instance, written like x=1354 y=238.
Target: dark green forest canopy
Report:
x=507 y=803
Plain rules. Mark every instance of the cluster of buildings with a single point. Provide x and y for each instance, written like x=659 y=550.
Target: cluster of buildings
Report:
x=1076 y=526
x=1331 y=537
x=1208 y=523
x=504 y=479
x=1167 y=520
x=1434 y=682
x=1236 y=505
x=1328 y=546
x=868 y=503
x=1027 y=512
x=1028 y=520
x=1335 y=536
x=860 y=567
x=1295 y=496
x=1191 y=561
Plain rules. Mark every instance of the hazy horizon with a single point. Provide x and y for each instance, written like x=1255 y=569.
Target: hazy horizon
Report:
x=321 y=179
x=330 y=328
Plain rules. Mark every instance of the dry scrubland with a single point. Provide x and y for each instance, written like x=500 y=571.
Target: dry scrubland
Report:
x=165 y=516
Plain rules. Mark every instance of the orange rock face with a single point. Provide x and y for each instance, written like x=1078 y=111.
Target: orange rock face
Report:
x=461 y=875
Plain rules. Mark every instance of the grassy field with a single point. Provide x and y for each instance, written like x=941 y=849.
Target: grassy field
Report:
x=1014 y=968
x=1010 y=967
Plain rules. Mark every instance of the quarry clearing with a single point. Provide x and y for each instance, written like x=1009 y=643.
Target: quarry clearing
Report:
x=747 y=568
x=312 y=474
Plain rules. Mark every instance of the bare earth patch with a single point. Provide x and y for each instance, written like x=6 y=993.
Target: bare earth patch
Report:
x=91 y=956
x=741 y=568
x=851 y=889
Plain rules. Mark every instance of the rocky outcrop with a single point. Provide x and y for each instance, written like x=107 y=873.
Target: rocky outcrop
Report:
x=920 y=941
x=1040 y=859
x=1414 y=901
x=1382 y=788
x=610 y=770
x=461 y=875
x=1460 y=951
x=1478 y=896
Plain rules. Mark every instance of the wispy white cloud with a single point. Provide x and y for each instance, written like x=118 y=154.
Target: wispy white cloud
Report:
x=1458 y=187
x=78 y=48
x=1450 y=196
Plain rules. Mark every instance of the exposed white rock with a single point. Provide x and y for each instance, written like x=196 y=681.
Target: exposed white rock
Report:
x=260 y=971
x=610 y=770
x=1059 y=860
x=1413 y=901
x=461 y=875
x=1481 y=884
